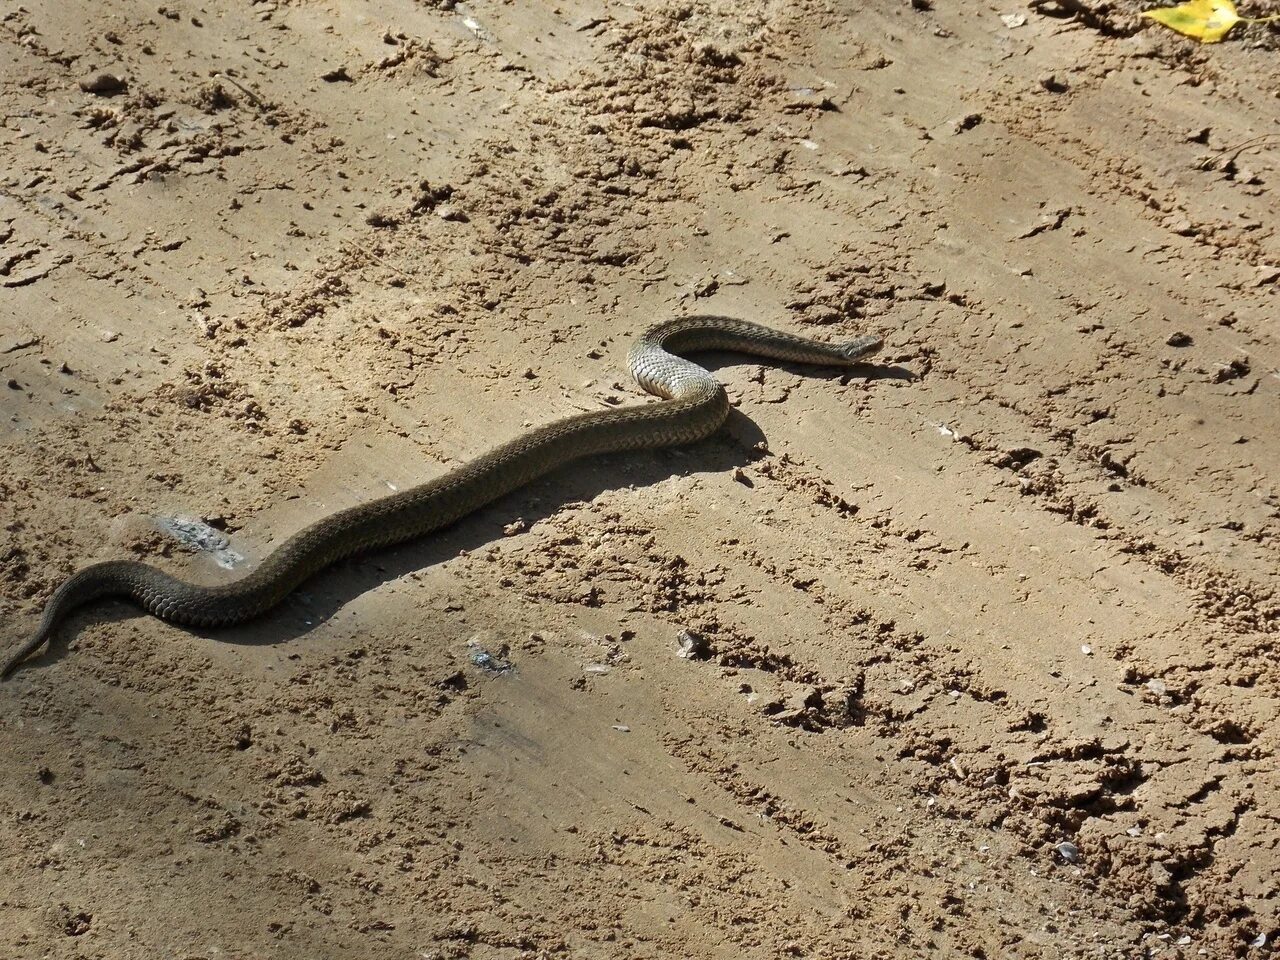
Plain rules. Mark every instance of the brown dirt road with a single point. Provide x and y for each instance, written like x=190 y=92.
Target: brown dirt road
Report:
x=1015 y=588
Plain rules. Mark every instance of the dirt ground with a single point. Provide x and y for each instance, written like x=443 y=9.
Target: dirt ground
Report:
x=987 y=658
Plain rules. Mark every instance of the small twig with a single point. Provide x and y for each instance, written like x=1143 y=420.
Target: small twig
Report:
x=21 y=345
x=352 y=248
x=1220 y=160
x=242 y=88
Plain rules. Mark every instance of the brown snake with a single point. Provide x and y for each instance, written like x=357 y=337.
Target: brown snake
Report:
x=695 y=405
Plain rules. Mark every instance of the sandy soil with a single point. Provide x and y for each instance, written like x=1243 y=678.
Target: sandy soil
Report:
x=1015 y=588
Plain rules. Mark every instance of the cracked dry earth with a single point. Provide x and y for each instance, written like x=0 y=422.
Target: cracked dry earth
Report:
x=981 y=641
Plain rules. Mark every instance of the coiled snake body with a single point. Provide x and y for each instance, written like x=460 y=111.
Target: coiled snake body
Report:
x=694 y=406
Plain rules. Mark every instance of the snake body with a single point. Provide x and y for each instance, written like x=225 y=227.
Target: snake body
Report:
x=694 y=405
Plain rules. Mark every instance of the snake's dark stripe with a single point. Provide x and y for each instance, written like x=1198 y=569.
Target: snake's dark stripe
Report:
x=694 y=406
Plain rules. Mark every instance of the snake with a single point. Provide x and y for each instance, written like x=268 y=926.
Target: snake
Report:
x=693 y=405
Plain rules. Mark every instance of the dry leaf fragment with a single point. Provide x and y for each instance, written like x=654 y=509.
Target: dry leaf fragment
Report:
x=1206 y=20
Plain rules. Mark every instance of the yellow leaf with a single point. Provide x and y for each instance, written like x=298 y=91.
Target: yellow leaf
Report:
x=1206 y=20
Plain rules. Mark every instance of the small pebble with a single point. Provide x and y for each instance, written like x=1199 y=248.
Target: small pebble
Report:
x=102 y=83
x=622 y=728
x=1179 y=339
x=1068 y=851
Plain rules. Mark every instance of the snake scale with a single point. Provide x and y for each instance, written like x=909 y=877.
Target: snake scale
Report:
x=694 y=405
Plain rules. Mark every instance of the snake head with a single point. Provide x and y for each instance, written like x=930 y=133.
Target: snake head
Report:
x=861 y=347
